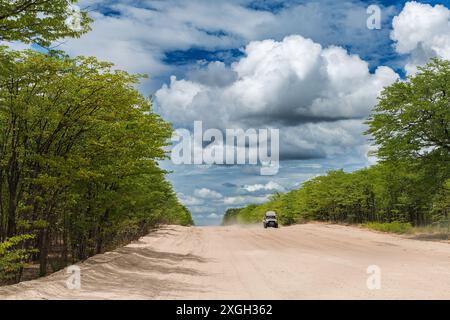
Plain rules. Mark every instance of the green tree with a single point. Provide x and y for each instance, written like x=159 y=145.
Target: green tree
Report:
x=41 y=21
x=13 y=257
x=412 y=118
x=79 y=151
x=79 y=147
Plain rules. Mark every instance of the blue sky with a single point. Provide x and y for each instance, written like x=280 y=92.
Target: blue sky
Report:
x=312 y=69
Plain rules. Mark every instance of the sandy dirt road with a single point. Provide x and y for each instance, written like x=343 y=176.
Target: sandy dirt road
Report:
x=312 y=261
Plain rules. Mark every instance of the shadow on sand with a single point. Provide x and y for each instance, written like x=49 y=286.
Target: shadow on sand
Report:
x=126 y=273
x=431 y=237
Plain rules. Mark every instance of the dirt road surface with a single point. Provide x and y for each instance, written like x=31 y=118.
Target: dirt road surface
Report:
x=312 y=261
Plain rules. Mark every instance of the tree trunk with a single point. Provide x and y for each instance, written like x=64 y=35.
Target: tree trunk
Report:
x=99 y=242
x=13 y=182
x=43 y=252
x=65 y=249
x=12 y=203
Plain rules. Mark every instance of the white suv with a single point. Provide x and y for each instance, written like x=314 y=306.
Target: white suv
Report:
x=270 y=219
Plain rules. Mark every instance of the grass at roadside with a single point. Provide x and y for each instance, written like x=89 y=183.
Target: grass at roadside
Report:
x=391 y=227
x=436 y=231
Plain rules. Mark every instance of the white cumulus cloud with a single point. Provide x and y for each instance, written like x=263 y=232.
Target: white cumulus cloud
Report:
x=213 y=216
x=269 y=186
x=244 y=200
x=422 y=31
x=206 y=193
x=307 y=91
x=189 y=200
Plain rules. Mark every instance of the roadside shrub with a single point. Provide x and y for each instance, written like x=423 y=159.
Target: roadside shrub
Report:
x=391 y=227
x=13 y=257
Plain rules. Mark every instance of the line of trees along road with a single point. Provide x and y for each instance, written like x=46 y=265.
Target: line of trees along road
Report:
x=410 y=127
x=79 y=147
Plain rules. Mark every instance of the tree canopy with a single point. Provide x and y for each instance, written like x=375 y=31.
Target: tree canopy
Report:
x=79 y=147
x=412 y=118
x=78 y=162
x=41 y=21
